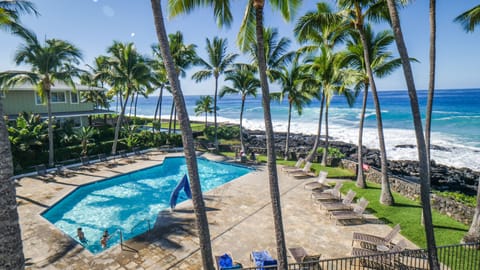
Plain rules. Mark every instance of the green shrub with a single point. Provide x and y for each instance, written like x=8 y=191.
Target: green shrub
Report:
x=223 y=132
x=459 y=197
x=332 y=152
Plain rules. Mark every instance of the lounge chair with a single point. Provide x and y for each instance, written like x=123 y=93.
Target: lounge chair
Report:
x=87 y=164
x=123 y=154
x=139 y=153
x=62 y=171
x=351 y=215
x=305 y=169
x=301 y=256
x=345 y=204
x=332 y=194
x=297 y=166
x=370 y=239
x=43 y=173
x=225 y=262
x=262 y=259
x=103 y=158
x=398 y=247
x=320 y=183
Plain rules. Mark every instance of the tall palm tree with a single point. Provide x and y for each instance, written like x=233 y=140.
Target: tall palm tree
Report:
x=128 y=73
x=251 y=28
x=204 y=105
x=357 y=12
x=320 y=28
x=291 y=81
x=244 y=83
x=421 y=146
x=187 y=138
x=431 y=77
x=11 y=253
x=469 y=19
x=159 y=80
x=184 y=57
x=50 y=63
x=218 y=63
x=277 y=55
x=383 y=64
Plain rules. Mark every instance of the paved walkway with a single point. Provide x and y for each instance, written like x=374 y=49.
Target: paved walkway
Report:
x=239 y=215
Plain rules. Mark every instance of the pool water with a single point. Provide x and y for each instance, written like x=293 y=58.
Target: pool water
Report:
x=131 y=202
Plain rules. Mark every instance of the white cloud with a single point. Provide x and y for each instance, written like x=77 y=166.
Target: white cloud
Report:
x=108 y=11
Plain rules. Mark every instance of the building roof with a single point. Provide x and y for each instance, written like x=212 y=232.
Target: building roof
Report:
x=57 y=87
x=68 y=114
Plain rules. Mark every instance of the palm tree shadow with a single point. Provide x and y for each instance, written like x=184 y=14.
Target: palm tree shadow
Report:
x=450 y=228
x=407 y=205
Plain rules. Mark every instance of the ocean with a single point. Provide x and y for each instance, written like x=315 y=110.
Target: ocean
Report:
x=455 y=124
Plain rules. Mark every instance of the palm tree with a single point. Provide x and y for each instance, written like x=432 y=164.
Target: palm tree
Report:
x=159 y=80
x=469 y=19
x=252 y=25
x=245 y=84
x=431 y=79
x=357 y=11
x=291 y=80
x=383 y=64
x=85 y=135
x=218 y=63
x=11 y=253
x=50 y=62
x=184 y=56
x=321 y=28
x=187 y=138
x=421 y=146
x=204 y=105
x=128 y=74
x=277 y=55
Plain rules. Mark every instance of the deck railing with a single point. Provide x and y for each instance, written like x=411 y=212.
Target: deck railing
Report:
x=454 y=257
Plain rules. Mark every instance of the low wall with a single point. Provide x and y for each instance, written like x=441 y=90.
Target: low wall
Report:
x=411 y=190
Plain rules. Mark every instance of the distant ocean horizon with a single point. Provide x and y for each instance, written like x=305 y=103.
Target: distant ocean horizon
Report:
x=455 y=123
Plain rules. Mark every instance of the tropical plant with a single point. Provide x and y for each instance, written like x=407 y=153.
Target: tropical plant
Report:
x=421 y=146
x=356 y=12
x=11 y=253
x=50 y=63
x=469 y=19
x=218 y=63
x=85 y=136
x=128 y=73
x=291 y=80
x=382 y=63
x=252 y=25
x=184 y=56
x=187 y=138
x=245 y=84
x=159 y=80
x=204 y=105
x=320 y=28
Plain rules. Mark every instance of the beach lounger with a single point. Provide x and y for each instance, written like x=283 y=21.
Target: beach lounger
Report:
x=305 y=169
x=398 y=247
x=332 y=194
x=42 y=173
x=225 y=262
x=62 y=171
x=123 y=154
x=297 y=166
x=370 y=239
x=103 y=158
x=320 y=183
x=262 y=259
x=140 y=154
x=308 y=261
x=356 y=214
x=345 y=204
x=86 y=164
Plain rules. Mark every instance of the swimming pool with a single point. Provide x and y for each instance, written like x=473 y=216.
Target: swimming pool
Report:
x=130 y=202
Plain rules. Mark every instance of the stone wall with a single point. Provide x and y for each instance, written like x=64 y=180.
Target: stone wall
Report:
x=411 y=190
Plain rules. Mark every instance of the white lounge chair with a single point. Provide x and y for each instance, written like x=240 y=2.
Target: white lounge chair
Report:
x=320 y=183
x=297 y=166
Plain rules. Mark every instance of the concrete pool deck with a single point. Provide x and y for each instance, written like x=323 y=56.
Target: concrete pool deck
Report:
x=239 y=215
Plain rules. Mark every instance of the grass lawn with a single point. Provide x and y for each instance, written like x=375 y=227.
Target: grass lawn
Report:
x=408 y=213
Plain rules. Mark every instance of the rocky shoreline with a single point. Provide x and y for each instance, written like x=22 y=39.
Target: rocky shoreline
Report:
x=443 y=178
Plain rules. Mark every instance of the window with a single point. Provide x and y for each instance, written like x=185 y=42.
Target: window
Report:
x=2 y=94
x=38 y=99
x=74 y=98
x=57 y=97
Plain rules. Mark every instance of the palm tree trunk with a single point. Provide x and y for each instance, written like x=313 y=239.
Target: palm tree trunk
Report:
x=175 y=120
x=361 y=183
x=271 y=156
x=386 y=196
x=242 y=146
x=187 y=138
x=171 y=118
x=135 y=109
x=417 y=121
x=215 y=112
x=431 y=81
x=119 y=123
x=313 y=153
x=285 y=155
x=206 y=114
x=325 y=147
x=160 y=99
x=475 y=227
x=11 y=250
x=51 y=158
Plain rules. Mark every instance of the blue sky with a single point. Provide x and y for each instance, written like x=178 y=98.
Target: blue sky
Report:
x=92 y=25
